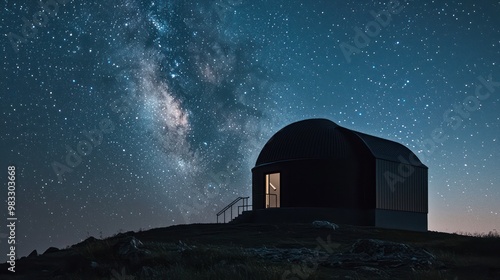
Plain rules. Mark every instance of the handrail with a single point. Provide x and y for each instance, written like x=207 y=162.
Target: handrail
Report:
x=244 y=207
x=230 y=206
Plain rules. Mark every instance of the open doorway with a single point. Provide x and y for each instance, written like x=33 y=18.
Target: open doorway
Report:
x=273 y=190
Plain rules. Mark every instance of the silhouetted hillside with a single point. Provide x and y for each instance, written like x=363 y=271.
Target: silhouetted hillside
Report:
x=263 y=251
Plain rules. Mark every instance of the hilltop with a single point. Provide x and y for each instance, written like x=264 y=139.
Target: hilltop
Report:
x=265 y=251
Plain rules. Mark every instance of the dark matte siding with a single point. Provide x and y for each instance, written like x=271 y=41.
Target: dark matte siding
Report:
x=401 y=220
x=409 y=187
x=315 y=183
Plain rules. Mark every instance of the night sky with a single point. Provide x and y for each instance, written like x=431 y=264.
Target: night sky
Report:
x=135 y=114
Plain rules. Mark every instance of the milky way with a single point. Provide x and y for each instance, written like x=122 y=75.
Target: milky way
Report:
x=137 y=114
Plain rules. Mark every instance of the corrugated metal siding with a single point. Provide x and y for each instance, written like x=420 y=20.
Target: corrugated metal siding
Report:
x=322 y=138
x=408 y=192
x=387 y=149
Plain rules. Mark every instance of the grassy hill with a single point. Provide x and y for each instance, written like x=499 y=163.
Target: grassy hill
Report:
x=263 y=251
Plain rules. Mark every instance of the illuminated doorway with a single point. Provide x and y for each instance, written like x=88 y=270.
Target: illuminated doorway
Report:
x=273 y=190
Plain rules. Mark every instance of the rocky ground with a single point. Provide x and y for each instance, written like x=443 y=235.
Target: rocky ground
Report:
x=260 y=251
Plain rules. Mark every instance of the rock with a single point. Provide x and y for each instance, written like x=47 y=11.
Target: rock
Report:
x=294 y=255
x=131 y=249
x=181 y=246
x=325 y=224
x=122 y=275
x=50 y=250
x=147 y=272
x=374 y=247
x=94 y=265
x=379 y=253
x=33 y=254
x=130 y=244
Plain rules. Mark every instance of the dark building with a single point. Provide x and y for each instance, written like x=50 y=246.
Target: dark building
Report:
x=314 y=169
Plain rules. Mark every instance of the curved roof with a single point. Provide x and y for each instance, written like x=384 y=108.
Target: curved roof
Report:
x=388 y=150
x=307 y=139
x=324 y=139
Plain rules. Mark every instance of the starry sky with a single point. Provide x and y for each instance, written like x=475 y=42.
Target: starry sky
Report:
x=134 y=114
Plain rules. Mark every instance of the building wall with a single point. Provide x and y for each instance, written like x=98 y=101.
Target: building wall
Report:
x=360 y=217
x=355 y=192
x=316 y=183
x=353 y=216
x=401 y=220
x=401 y=187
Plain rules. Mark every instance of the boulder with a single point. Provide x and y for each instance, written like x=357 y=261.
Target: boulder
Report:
x=292 y=255
x=132 y=250
x=325 y=224
x=379 y=253
x=181 y=246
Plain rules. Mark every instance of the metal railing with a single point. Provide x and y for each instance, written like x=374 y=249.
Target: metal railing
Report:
x=230 y=207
